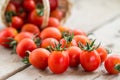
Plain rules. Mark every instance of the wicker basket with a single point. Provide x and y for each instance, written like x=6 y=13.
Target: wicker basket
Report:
x=64 y=6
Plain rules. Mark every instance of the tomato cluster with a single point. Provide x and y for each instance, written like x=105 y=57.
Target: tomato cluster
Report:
x=21 y=12
x=55 y=46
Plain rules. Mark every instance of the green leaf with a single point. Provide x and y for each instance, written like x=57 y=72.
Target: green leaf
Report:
x=25 y=60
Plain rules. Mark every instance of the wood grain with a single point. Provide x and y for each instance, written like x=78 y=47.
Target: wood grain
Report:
x=91 y=14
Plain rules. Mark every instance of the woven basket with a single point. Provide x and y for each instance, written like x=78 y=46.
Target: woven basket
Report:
x=64 y=6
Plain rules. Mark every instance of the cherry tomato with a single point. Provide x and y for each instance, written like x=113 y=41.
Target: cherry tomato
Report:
x=112 y=64
x=63 y=29
x=81 y=38
x=39 y=58
x=17 y=22
x=53 y=22
x=24 y=46
x=58 y=61
x=17 y=3
x=66 y=44
x=5 y=34
x=36 y=18
x=21 y=13
x=23 y=35
x=90 y=60
x=57 y=14
x=74 y=55
x=103 y=53
x=48 y=42
x=79 y=32
x=29 y=5
x=30 y=28
x=53 y=4
x=51 y=32
x=11 y=7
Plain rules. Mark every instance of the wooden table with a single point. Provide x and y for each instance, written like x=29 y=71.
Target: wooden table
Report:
x=101 y=17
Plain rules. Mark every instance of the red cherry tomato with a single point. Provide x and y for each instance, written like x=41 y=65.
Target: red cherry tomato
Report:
x=29 y=5
x=48 y=42
x=24 y=46
x=81 y=38
x=36 y=18
x=79 y=32
x=103 y=53
x=66 y=44
x=112 y=64
x=23 y=35
x=74 y=55
x=17 y=3
x=51 y=32
x=30 y=28
x=57 y=14
x=53 y=22
x=21 y=13
x=58 y=61
x=5 y=34
x=39 y=58
x=53 y=4
x=90 y=60
x=17 y=22
x=11 y=7
x=63 y=29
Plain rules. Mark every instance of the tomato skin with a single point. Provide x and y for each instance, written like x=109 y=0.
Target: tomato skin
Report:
x=36 y=19
x=90 y=61
x=17 y=3
x=74 y=56
x=111 y=62
x=48 y=42
x=5 y=34
x=39 y=58
x=11 y=7
x=29 y=5
x=25 y=45
x=103 y=53
x=30 y=28
x=53 y=4
x=17 y=22
x=21 y=13
x=23 y=35
x=79 y=32
x=53 y=22
x=64 y=43
x=63 y=29
x=58 y=61
x=57 y=14
x=81 y=38
x=51 y=32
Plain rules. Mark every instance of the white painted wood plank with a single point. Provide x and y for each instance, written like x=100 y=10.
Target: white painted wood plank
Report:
x=89 y=14
x=9 y=63
x=107 y=36
x=32 y=73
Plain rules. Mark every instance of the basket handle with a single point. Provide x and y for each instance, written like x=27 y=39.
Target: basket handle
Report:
x=46 y=13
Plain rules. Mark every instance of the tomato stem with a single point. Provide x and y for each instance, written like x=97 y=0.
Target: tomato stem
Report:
x=89 y=46
x=9 y=15
x=26 y=60
x=117 y=67
x=109 y=51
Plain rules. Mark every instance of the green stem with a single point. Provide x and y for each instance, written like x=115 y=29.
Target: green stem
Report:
x=117 y=67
